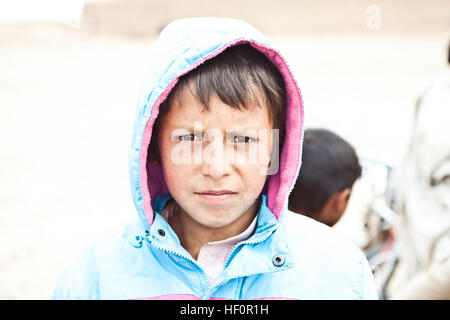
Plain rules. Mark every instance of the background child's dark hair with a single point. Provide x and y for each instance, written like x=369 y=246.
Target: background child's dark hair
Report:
x=448 y=53
x=329 y=165
x=240 y=76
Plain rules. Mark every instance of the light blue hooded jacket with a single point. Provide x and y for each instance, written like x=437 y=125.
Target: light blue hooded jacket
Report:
x=289 y=256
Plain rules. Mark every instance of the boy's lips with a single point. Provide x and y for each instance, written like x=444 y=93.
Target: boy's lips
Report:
x=216 y=193
x=212 y=196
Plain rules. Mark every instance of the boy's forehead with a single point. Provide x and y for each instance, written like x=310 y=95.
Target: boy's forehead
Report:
x=187 y=109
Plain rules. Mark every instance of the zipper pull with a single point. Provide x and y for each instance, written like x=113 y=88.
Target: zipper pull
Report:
x=136 y=241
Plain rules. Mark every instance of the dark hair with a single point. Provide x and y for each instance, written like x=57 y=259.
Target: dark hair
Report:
x=448 y=53
x=329 y=165
x=240 y=75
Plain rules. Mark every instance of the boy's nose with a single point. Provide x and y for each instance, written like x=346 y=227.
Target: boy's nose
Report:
x=214 y=162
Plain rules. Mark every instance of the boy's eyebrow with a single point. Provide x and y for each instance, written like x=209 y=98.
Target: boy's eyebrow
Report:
x=231 y=130
x=242 y=131
x=190 y=126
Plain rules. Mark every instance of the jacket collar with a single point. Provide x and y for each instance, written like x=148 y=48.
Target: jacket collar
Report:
x=266 y=222
x=263 y=247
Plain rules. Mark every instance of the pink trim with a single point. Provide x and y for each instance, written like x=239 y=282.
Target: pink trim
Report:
x=172 y=297
x=280 y=184
x=194 y=297
x=275 y=298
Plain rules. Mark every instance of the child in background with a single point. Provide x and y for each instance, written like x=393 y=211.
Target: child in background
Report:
x=330 y=167
x=215 y=153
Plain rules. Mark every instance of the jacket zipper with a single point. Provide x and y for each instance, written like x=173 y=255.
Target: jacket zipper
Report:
x=190 y=259
x=253 y=242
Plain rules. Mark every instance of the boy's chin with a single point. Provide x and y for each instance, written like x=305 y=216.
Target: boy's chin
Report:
x=213 y=220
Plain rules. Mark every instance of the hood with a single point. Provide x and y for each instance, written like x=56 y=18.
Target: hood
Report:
x=181 y=47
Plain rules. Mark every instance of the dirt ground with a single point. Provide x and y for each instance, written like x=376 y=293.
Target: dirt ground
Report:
x=67 y=101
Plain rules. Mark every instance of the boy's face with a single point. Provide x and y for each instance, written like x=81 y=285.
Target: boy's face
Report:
x=215 y=161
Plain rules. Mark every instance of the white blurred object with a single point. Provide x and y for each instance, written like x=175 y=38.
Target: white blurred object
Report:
x=371 y=218
x=379 y=220
x=424 y=199
x=406 y=216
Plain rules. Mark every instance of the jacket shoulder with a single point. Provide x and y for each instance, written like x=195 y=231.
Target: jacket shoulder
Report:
x=80 y=279
x=318 y=249
x=302 y=229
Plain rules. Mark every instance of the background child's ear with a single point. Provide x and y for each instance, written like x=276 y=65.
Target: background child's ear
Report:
x=341 y=200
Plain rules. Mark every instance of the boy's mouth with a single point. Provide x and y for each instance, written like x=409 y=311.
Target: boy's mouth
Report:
x=216 y=196
x=216 y=193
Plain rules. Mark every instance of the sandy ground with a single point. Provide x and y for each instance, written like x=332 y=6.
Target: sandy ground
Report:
x=67 y=103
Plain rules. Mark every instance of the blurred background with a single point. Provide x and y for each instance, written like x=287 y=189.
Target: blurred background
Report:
x=71 y=70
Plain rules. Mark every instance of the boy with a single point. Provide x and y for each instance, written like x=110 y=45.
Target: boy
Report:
x=330 y=167
x=210 y=180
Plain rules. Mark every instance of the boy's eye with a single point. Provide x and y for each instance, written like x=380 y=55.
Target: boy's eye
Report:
x=243 y=139
x=189 y=137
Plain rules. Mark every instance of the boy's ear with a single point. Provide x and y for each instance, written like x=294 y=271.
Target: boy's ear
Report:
x=153 y=159
x=153 y=155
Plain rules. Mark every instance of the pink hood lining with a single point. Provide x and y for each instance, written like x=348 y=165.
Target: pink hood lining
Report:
x=280 y=184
